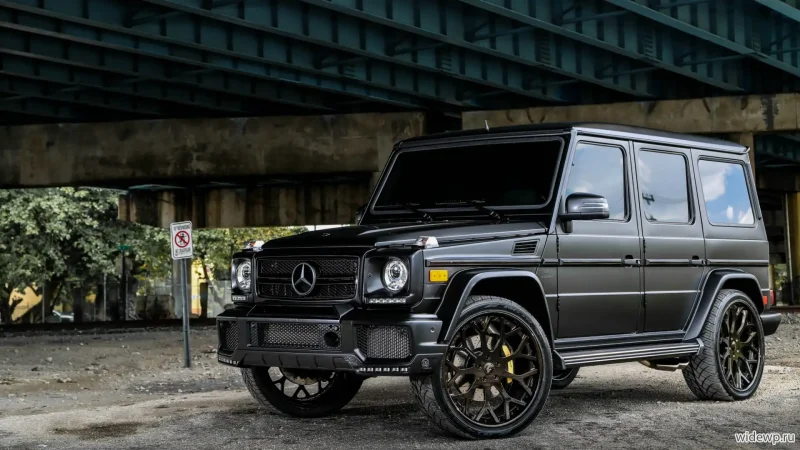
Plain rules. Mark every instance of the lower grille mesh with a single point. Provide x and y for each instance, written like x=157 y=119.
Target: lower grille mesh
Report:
x=384 y=342
x=310 y=336
x=228 y=337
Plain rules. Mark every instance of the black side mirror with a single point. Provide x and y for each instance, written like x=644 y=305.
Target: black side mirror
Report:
x=582 y=206
x=360 y=213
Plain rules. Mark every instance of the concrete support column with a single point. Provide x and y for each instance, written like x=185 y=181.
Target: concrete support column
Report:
x=793 y=228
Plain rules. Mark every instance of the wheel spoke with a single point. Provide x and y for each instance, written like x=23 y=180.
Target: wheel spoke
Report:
x=743 y=313
x=494 y=415
x=508 y=398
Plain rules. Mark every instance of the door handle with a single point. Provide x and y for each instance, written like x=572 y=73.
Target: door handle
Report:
x=696 y=261
x=629 y=260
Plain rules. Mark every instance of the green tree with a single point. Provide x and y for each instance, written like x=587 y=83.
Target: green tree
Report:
x=65 y=240
x=62 y=240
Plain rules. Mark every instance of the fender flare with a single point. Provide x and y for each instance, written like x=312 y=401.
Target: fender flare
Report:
x=460 y=288
x=711 y=287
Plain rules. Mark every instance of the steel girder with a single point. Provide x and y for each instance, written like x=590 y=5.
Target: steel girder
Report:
x=342 y=44
x=740 y=26
x=613 y=32
x=783 y=147
x=256 y=53
x=269 y=65
x=50 y=58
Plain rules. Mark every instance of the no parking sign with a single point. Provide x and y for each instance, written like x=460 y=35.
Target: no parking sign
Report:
x=182 y=245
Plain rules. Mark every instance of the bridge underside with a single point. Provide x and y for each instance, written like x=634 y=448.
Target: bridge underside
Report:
x=111 y=60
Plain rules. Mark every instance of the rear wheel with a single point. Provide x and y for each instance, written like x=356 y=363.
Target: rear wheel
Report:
x=730 y=365
x=301 y=393
x=495 y=375
x=563 y=378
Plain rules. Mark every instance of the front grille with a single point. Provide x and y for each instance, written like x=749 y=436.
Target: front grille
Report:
x=228 y=336
x=308 y=336
x=384 y=342
x=336 y=277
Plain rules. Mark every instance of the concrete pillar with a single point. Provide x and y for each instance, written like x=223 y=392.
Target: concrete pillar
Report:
x=793 y=227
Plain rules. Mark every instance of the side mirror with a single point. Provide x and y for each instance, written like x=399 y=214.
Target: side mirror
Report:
x=582 y=206
x=360 y=213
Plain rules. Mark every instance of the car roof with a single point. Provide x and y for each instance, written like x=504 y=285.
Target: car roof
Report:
x=596 y=128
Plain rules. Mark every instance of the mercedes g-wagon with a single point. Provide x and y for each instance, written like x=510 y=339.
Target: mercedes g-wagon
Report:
x=490 y=265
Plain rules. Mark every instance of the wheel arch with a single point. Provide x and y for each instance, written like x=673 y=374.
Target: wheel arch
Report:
x=716 y=281
x=520 y=286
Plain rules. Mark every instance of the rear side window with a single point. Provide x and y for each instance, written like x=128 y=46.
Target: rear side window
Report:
x=725 y=193
x=664 y=186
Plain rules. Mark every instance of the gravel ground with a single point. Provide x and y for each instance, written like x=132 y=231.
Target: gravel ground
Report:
x=129 y=391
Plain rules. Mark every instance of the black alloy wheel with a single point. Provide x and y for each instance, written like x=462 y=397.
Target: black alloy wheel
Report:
x=495 y=375
x=739 y=347
x=492 y=368
x=299 y=392
x=731 y=363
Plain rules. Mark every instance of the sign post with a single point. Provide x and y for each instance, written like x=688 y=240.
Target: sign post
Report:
x=183 y=249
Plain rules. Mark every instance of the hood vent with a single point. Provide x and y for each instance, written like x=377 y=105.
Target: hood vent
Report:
x=525 y=248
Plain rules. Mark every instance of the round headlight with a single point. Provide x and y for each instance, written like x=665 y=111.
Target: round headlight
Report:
x=395 y=275
x=243 y=275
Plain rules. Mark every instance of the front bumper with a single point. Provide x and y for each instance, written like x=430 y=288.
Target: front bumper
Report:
x=367 y=342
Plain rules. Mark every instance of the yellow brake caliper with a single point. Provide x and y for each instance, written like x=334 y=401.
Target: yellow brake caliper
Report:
x=507 y=352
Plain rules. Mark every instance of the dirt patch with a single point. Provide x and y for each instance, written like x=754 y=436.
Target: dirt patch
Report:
x=102 y=430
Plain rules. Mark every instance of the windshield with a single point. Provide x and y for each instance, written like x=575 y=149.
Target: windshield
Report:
x=504 y=176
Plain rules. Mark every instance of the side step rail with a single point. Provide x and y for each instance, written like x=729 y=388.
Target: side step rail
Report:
x=578 y=358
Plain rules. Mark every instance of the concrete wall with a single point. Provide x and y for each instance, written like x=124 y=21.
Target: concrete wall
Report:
x=285 y=170
x=181 y=152
x=229 y=208
x=700 y=115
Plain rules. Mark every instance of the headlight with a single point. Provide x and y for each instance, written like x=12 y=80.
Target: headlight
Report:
x=243 y=280
x=395 y=275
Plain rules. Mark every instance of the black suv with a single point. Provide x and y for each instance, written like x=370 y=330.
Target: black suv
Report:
x=489 y=265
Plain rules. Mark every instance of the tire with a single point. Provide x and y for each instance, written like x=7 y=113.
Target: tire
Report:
x=433 y=392
x=563 y=378
x=340 y=389
x=707 y=372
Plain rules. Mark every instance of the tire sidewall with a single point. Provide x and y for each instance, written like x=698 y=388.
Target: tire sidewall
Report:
x=727 y=302
x=534 y=330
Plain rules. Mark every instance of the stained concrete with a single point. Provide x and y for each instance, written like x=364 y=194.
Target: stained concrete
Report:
x=329 y=203
x=180 y=152
x=699 y=115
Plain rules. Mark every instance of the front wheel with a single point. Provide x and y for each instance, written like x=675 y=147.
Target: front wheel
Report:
x=301 y=393
x=730 y=365
x=495 y=376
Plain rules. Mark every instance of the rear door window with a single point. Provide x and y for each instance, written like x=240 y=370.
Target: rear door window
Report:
x=664 y=186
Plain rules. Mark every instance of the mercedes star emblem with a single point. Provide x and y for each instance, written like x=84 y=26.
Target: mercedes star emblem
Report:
x=304 y=277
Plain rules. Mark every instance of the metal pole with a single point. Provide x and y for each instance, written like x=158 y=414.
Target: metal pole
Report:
x=186 y=311
x=44 y=291
x=105 y=294
x=124 y=289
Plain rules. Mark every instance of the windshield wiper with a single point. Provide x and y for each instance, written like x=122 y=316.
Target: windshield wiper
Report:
x=415 y=208
x=477 y=204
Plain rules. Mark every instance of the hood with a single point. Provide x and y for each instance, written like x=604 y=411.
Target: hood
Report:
x=387 y=235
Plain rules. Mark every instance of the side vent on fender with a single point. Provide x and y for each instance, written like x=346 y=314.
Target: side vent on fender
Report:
x=524 y=248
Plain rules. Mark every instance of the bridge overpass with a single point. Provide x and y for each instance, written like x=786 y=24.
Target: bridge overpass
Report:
x=280 y=112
